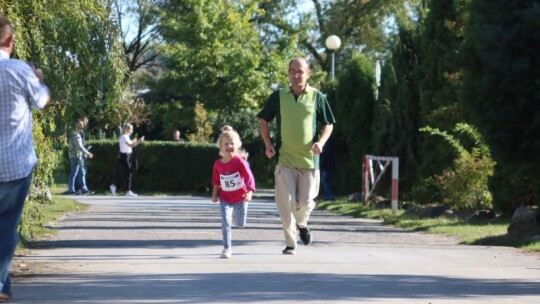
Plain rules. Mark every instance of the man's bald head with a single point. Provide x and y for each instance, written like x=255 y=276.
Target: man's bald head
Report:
x=6 y=32
x=299 y=59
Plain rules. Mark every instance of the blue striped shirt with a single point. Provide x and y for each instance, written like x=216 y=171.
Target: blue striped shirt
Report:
x=20 y=89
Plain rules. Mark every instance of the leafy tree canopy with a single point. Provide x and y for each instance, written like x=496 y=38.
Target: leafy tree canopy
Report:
x=213 y=52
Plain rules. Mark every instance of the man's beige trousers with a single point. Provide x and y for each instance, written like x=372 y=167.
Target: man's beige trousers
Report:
x=296 y=190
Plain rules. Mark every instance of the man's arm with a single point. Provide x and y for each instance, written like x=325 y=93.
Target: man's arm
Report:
x=325 y=133
x=265 y=134
x=44 y=95
x=317 y=147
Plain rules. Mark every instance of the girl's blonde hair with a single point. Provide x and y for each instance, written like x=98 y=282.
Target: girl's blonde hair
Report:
x=243 y=153
x=232 y=135
x=227 y=128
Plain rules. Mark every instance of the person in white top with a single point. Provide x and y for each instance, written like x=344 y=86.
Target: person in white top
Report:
x=127 y=160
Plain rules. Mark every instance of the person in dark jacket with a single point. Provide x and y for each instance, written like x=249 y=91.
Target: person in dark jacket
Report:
x=327 y=167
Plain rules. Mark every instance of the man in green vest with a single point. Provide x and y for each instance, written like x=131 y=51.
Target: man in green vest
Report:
x=298 y=110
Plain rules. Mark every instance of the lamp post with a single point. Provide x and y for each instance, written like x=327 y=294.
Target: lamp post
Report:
x=332 y=43
x=377 y=78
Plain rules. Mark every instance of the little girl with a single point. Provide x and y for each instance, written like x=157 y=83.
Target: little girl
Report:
x=233 y=181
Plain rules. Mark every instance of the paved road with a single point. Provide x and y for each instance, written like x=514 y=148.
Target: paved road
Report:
x=166 y=250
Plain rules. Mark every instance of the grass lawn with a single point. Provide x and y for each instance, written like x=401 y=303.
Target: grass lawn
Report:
x=49 y=213
x=472 y=232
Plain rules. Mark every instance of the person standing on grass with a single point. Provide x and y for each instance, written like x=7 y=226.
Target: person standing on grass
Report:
x=127 y=159
x=77 y=155
x=84 y=166
x=327 y=167
x=233 y=182
x=297 y=110
x=21 y=87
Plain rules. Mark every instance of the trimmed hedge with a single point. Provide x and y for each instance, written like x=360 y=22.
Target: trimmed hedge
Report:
x=163 y=166
x=168 y=166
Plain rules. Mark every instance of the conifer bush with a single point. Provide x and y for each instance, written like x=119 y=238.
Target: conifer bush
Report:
x=465 y=185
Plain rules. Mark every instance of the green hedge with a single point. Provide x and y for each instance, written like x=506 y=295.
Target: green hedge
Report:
x=163 y=166
x=167 y=166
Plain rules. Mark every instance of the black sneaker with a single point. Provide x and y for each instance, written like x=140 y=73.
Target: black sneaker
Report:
x=289 y=250
x=305 y=235
x=88 y=192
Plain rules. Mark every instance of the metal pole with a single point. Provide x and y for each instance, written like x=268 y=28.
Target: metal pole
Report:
x=395 y=183
x=365 y=179
x=377 y=78
x=101 y=80
x=332 y=66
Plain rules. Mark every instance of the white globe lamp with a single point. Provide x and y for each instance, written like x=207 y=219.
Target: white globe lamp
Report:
x=332 y=43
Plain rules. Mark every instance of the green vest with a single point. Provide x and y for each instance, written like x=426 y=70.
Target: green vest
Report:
x=298 y=129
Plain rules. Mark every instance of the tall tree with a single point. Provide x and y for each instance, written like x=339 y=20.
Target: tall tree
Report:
x=354 y=102
x=441 y=44
x=75 y=45
x=397 y=120
x=359 y=24
x=213 y=52
x=501 y=92
x=139 y=33
x=214 y=55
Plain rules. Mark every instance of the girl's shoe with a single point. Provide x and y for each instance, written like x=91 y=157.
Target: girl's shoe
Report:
x=226 y=253
x=129 y=193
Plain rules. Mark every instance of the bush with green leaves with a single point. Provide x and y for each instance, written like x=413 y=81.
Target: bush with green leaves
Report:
x=39 y=193
x=465 y=186
x=163 y=166
x=167 y=166
x=83 y=65
x=501 y=94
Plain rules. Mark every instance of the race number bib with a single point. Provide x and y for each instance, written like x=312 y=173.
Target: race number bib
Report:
x=230 y=182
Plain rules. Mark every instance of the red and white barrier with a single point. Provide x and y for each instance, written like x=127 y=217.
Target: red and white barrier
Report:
x=370 y=179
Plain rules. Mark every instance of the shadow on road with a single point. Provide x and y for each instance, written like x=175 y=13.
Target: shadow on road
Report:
x=269 y=287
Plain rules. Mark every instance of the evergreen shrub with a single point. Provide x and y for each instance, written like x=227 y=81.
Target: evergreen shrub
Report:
x=465 y=186
x=163 y=166
x=168 y=166
x=352 y=101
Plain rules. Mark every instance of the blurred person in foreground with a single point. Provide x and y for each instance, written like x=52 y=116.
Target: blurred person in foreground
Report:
x=21 y=87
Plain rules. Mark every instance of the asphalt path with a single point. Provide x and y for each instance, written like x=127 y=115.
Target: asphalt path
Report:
x=167 y=250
